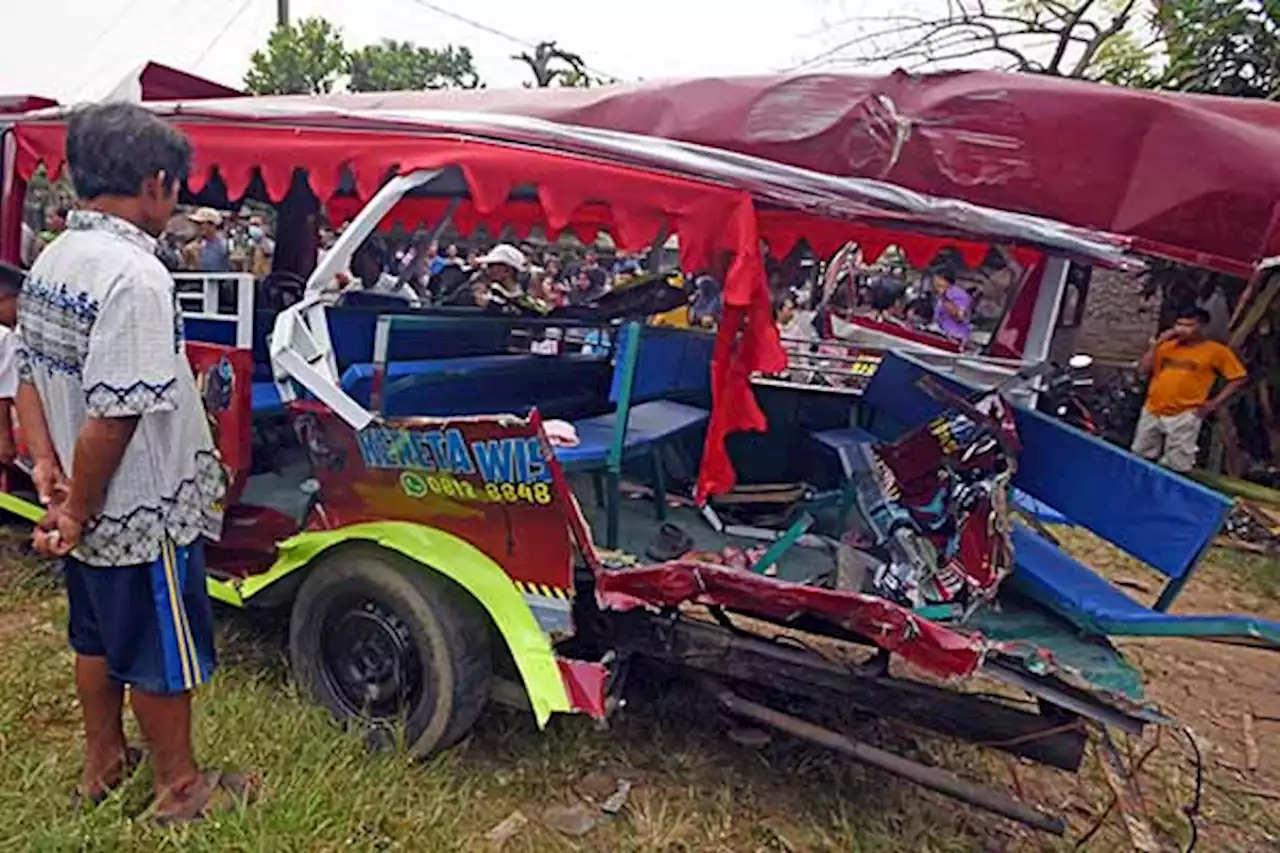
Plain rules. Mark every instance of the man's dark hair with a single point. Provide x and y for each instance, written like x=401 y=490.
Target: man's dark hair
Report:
x=11 y=279
x=1192 y=312
x=886 y=292
x=113 y=148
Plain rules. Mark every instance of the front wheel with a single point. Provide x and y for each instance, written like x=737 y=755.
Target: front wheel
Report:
x=381 y=641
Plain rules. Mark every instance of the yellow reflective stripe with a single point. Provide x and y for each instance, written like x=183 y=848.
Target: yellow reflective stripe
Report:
x=197 y=677
x=175 y=608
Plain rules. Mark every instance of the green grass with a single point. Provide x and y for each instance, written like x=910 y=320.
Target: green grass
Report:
x=1260 y=574
x=695 y=789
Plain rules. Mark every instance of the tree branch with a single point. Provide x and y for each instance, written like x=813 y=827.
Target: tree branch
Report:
x=1117 y=24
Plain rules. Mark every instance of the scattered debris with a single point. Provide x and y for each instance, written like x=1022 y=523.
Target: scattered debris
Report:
x=1247 y=528
x=596 y=787
x=617 y=801
x=1262 y=793
x=508 y=829
x=752 y=737
x=1134 y=583
x=574 y=820
x=1251 y=757
x=611 y=559
x=603 y=798
x=1128 y=797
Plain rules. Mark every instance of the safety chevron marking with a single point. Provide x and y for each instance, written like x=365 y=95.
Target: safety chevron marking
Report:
x=544 y=590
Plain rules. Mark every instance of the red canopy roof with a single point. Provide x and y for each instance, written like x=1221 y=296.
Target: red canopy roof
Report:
x=1192 y=177
x=164 y=83
x=17 y=104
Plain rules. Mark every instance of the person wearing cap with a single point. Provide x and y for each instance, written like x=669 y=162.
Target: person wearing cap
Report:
x=502 y=267
x=210 y=250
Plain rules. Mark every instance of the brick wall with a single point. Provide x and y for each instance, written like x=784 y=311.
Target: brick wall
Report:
x=1117 y=321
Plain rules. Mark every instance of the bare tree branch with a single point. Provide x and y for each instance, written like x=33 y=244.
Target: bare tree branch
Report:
x=1058 y=37
x=1117 y=24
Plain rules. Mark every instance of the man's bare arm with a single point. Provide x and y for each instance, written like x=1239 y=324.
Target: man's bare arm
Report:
x=35 y=429
x=7 y=451
x=99 y=448
x=1147 y=362
x=1220 y=399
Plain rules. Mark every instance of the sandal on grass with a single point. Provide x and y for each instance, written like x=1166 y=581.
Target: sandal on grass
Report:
x=669 y=543
x=80 y=800
x=217 y=791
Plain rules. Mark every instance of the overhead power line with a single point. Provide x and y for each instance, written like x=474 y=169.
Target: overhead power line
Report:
x=244 y=7
x=494 y=31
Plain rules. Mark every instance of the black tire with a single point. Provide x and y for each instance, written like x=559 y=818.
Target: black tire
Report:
x=381 y=641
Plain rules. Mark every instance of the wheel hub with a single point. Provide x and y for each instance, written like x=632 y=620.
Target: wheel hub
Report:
x=370 y=659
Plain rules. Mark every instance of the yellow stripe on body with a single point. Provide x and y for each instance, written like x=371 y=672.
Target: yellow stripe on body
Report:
x=177 y=611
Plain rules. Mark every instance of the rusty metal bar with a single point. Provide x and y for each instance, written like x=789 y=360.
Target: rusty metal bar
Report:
x=927 y=777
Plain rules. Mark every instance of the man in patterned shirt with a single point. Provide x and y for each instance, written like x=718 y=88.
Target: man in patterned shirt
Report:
x=102 y=356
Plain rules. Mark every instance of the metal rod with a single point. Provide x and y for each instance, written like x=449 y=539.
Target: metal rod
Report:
x=1064 y=697
x=928 y=777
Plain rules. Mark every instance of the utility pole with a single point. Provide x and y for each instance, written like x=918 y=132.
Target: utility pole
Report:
x=282 y=13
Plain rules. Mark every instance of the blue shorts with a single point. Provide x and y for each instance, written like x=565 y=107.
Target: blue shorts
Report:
x=152 y=622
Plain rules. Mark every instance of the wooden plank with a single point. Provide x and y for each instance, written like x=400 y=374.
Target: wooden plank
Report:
x=1251 y=757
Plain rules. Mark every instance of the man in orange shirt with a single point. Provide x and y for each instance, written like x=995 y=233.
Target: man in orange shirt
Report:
x=1184 y=366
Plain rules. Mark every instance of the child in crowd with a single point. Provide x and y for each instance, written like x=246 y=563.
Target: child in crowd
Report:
x=11 y=279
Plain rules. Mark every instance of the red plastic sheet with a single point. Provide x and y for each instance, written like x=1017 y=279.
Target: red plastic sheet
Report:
x=1190 y=177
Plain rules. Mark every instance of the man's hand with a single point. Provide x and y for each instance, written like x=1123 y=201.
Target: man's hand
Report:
x=1167 y=335
x=1205 y=411
x=51 y=484
x=57 y=533
x=8 y=451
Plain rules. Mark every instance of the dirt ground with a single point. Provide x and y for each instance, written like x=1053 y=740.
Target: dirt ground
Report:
x=696 y=782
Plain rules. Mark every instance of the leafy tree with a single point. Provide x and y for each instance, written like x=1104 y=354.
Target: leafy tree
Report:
x=305 y=58
x=394 y=66
x=554 y=66
x=1220 y=47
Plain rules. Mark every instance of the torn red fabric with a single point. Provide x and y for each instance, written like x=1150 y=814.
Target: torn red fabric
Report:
x=936 y=649
x=747 y=342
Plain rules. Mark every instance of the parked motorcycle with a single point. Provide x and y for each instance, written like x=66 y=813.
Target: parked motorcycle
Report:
x=1061 y=395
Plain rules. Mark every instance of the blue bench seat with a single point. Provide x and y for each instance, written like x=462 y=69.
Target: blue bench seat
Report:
x=1046 y=574
x=648 y=423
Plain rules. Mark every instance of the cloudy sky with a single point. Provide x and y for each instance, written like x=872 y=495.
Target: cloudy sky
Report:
x=79 y=49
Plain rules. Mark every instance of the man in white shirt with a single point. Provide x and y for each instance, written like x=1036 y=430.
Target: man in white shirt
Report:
x=104 y=369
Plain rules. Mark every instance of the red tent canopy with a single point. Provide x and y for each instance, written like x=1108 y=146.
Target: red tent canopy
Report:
x=1191 y=177
x=163 y=83
x=17 y=104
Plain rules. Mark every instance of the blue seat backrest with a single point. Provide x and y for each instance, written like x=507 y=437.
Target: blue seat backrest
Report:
x=209 y=331
x=669 y=363
x=1160 y=517
x=352 y=332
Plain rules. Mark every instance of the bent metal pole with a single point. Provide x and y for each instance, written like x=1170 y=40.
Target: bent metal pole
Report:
x=928 y=777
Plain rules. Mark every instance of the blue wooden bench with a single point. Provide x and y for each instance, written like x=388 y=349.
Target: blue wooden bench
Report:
x=1161 y=518
x=653 y=368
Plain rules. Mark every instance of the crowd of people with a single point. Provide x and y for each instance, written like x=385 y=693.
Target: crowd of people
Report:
x=541 y=277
